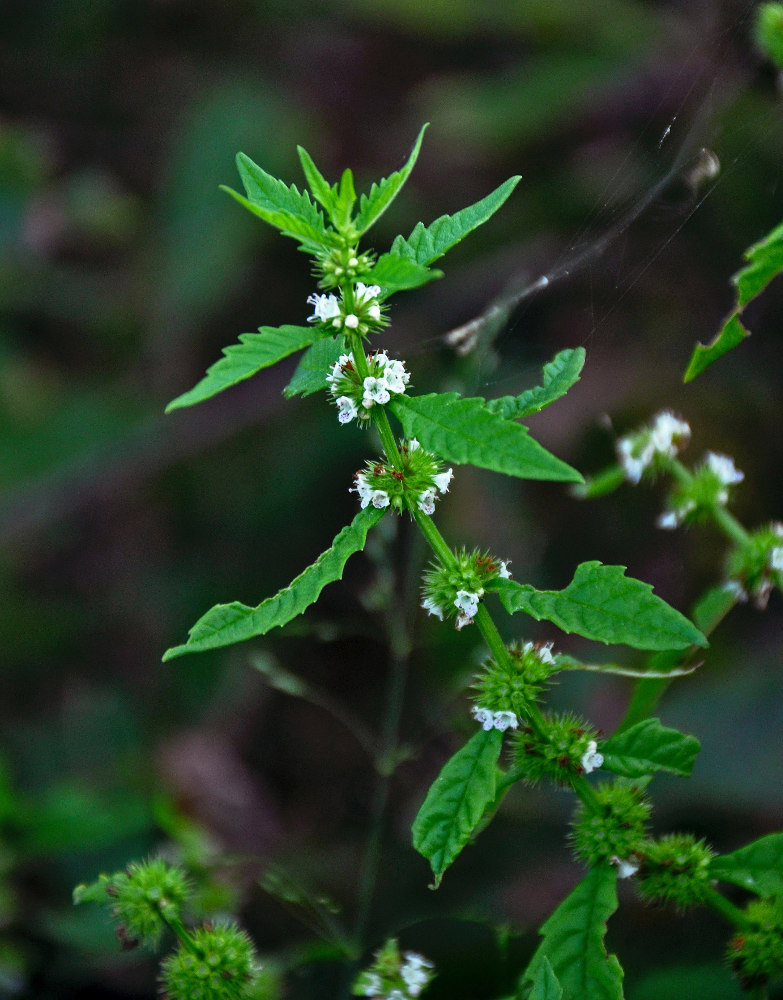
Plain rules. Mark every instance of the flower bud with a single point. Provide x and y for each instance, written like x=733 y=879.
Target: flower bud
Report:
x=674 y=869
x=146 y=897
x=566 y=749
x=616 y=829
x=218 y=963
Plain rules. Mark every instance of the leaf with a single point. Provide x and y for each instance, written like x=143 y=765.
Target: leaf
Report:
x=243 y=360
x=602 y=603
x=95 y=892
x=559 y=375
x=456 y=801
x=573 y=941
x=372 y=206
x=757 y=867
x=648 y=747
x=546 y=985
x=344 y=202
x=226 y=624
x=643 y=673
x=465 y=431
x=427 y=243
x=313 y=367
x=728 y=337
x=395 y=274
x=321 y=189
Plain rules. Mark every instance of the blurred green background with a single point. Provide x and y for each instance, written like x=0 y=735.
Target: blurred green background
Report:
x=123 y=271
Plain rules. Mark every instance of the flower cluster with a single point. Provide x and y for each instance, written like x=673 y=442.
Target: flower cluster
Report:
x=147 y=897
x=356 y=396
x=219 y=961
x=649 y=447
x=675 y=869
x=418 y=483
x=455 y=591
x=341 y=264
x=615 y=831
x=708 y=488
x=510 y=687
x=568 y=747
x=757 y=955
x=394 y=976
x=754 y=568
x=363 y=315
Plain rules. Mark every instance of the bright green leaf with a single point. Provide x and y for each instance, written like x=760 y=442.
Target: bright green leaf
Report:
x=602 y=603
x=346 y=196
x=456 y=801
x=648 y=747
x=465 y=431
x=757 y=867
x=573 y=941
x=768 y=31
x=372 y=206
x=395 y=274
x=545 y=985
x=427 y=243
x=321 y=189
x=730 y=334
x=241 y=361
x=95 y=892
x=559 y=375
x=226 y=624
x=313 y=367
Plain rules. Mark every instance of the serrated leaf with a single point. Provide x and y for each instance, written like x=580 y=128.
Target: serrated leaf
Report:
x=545 y=985
x=313 y=367
x=95 y=892
x=243 y=360
x=603 y=604
x=465 y=431
x=372 y=206
x=648 y=747
x=226 y=624
x=396 y=274
x=346 y=196
x=730 y=334
x=559 y=375
x=573 y=941
x=757 y=867
x=321 y=189
x=427 y=243
x=456 y=801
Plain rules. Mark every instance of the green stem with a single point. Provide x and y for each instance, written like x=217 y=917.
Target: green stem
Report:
x=729 y=525
x=733 y=914
x=434 y=539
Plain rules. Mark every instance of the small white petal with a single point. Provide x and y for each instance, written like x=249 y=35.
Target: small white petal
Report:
x=413 y=445
x=443 y=479
x=624 y=868
x=485 y=716
x=724 y=468
x=346 y=409
x=351 y=321
x=432 y=608
x=327 y=307
x=426 y=501
x=467 y=602
x=504 y=572
x=544 y=653
x=505 y=720
x=380 y=499
x=668 y=520
x=775 y=560
x=591 y=759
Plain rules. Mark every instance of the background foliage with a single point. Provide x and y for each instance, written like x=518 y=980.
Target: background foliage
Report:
x=123 y=271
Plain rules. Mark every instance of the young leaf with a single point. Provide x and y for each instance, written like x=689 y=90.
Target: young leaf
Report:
x=573 y=941
x=313 y=367
x=321 y=189
x=559 y=375
x=728 y=337
x=757 y=867
x=648 y=747
x=545 y=985
x=456 y=801
x=344 y=202
x=285 y=208
x=243 y=360
x=226 y=624
x=427 y=243
x=395 y=274
x=465 y=431
x=602 y=603
x=372 y=206
x=95 y=892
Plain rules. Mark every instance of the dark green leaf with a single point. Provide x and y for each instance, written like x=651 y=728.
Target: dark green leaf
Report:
x=657 y=671
x=427 y=243
x=559 y=375
x=545 y=985
x=456 y=801
x=313 y=367
x=226 y=624
x=573 y=941
x=757 y=867
x=648 y=747
x=321 y=189
x=465 y=431
x=730 y=334
x=602 y=603
x=372 y=206
x=395 y=274
x=241 y=361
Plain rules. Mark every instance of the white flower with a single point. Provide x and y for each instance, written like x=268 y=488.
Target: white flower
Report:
x=443 y=479
x=724 y=469
x=375 y=391
x=667 y=430
x=775 y=559
x=591 y=759
x=504 y=571
x=432 y=608
x=624 y=868
x=327 y=307
x=505 y=720
x=373 y=984
x=467 y=602
x=668 y=520
x=485 y=716
x=395 y=376
x=426 y=501
x=413 y=445
x=351 y=321
x=735 y=589
x=365 y=294
x=379 y=498
x=346 y=409
x=636 y=452
x=396 y=995
x=633 y=465
x=415 y=972
x=363 y=488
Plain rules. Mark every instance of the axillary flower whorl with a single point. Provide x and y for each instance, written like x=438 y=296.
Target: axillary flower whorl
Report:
x=418 y=484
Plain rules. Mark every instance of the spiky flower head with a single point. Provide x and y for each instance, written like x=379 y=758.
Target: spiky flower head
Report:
x=147 y=897
x=361 y=313
x=418 y=484
x=356 y=396
x=514 y=684
x=340 y=264
x=757 y=566
x=218 y=963
x=709 y=488
x=651 y=447
x=455 y=591
x=567 y=748
x=394 y=976
x=613 y=832
x=674 y=869
x=757 y=955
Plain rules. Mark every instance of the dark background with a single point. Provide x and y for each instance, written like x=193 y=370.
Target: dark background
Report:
x=124 y=270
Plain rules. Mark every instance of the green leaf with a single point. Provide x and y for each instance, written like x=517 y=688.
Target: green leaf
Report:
x=573 y=941
x=757 y=867
x=545 y=985
x=243 y=360
x=95 y=892
x=372 y=206
x=346 y=196
x=730 y=334
x=395 y=274
x=456 y=801
x=602 y=603
x=559 y=375
x=643 y=673
x=465 y=431
x=226 y=624
x=427 y=243
x=648 y=747
x=313 y=367
x=321 y=189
